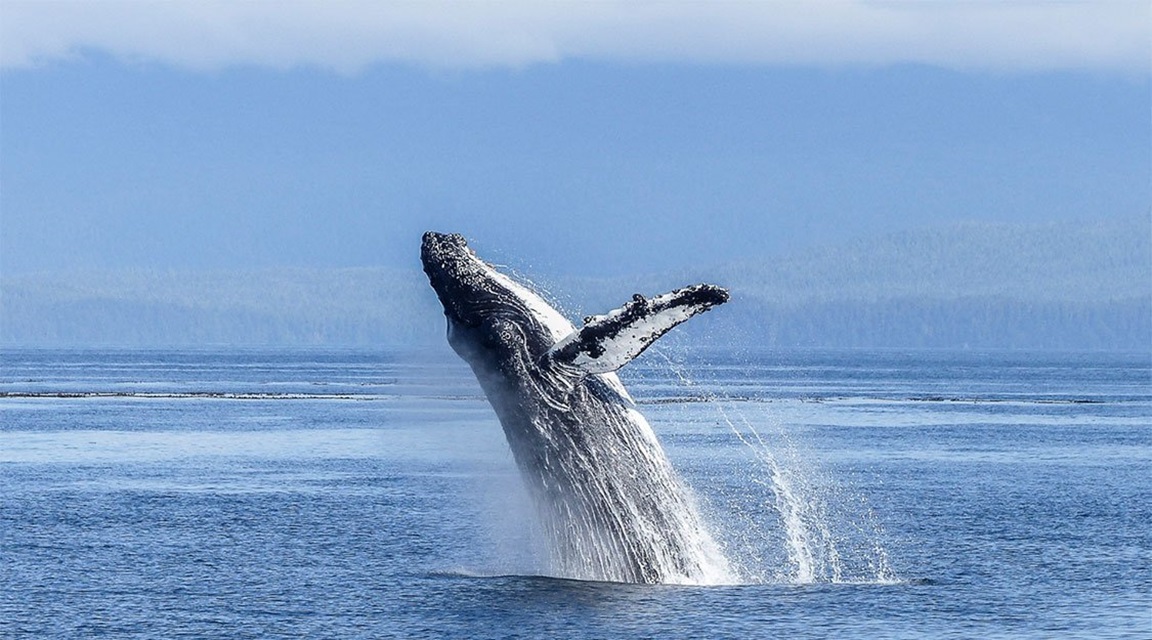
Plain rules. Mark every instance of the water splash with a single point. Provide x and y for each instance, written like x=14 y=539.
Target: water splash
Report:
x=830 y=534
x=821 y=530
x=613 y=509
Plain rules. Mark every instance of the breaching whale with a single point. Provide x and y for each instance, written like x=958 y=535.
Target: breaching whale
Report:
x=607 y=496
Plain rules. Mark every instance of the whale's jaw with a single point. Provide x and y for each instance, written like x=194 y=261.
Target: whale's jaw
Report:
x=485 y=304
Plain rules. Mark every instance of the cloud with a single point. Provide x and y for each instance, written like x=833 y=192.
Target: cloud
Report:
x=347 y=36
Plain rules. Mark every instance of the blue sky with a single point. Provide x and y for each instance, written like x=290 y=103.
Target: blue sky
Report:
x=213 y=139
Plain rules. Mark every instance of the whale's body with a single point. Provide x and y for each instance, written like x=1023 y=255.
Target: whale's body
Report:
x=610 y=501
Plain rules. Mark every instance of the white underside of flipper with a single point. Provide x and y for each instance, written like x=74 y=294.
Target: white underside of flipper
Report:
x=606 y=343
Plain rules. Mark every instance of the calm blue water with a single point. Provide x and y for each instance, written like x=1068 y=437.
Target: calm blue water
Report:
x=341 y=494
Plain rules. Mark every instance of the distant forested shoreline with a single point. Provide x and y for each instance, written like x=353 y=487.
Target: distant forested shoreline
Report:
x=1054 y=287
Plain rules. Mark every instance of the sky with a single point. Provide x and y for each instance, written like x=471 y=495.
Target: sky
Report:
x=584 y=138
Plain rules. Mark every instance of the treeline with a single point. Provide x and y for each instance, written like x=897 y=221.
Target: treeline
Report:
x=37 y=320
x=977 y=323
x=269 y=307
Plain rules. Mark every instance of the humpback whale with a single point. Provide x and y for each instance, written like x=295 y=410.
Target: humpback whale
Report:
x=607 y=496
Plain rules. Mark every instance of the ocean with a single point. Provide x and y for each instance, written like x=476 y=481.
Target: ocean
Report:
x=370 y=494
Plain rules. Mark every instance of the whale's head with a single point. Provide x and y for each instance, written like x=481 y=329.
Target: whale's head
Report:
x=490 y=316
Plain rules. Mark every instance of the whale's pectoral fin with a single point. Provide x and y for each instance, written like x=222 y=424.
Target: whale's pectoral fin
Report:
x=606 y=343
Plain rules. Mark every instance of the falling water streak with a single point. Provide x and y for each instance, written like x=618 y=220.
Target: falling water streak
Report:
x=810 y=544
x=797 y=514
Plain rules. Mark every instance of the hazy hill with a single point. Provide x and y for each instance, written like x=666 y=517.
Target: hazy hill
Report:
x=1054 y=286
x=256 y=307
x=1060 y=286
x=1061 y=262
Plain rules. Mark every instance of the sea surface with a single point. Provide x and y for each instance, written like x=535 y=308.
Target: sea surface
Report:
x=370 y=494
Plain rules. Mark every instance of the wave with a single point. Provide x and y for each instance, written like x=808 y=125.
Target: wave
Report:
x=166 y=395
x=557 y=581
x=673 y=400
x=1013 y=400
